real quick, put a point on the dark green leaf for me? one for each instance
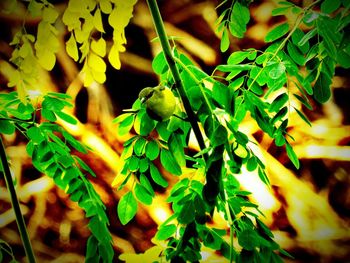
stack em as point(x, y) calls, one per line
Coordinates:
point(292, 156)
point(295, 54)
point(304, 100)
point(127, 208)
point(263, 177)
point(146, 184)
point(247, 239)
point(277, 32)
point(329, 6)
point(305, 39)
point(157, 177)
point(322, 91)
point(6, 127)
point(280, 114)
point(303, 117)
point(84, 166)
point(169, 162)
point(297, 37)
point(142, 194)
point(278, 102)
point(187, 214)
point(165, 232)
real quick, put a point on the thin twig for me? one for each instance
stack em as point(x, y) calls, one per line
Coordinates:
point(15, 204)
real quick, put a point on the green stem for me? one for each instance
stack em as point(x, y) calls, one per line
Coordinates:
point(15, 204)
point(159, 26)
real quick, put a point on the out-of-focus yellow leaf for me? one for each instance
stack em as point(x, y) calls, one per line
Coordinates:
point(14, 77)
point(46, 58)
point(24, 50)
point(151, 255)
point(76, 5)
point(97, 20)
point(100, 77)
point(99, 47)
point(113, 57)
point(71, 20)
point(106, 6)
point(88, 78)
point(50, 15)
point(71, 48)
point(95, 62)
point(35, 8)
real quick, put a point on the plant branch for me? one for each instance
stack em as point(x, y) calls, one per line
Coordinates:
point(159, 26)
point(15, 204)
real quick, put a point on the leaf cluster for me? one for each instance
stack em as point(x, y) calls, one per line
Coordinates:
point(50, 148)
point(257, 83)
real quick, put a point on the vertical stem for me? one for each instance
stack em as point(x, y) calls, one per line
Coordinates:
point(15, 204)
point(159, 26)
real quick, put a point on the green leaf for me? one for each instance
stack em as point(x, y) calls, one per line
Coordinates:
point(329, 6)
point(278, 102)
point(159, 64)
point(225, 42)
point(126, 123)
point(303, 117)
point(165, 232)
point(169, 162)
point(295, 54)
point(280, 114)
point(239, 19)
point(292, 156)
point(297, 36)
point(277, 32)
point(280, 11)
point(133, 163)
point(146, 184)
point(144, 124)
point(142, 194)
point(304, 40)
point(247, 239)
point(187, 213)
point(7, 127)
point(276, 70)
point(157, 177)
point(322, 91)
point(143, 165)
point(177, 149)
point(127, 208)
point(48, 114)
point(252, 163)
point(152, 150)
point(139, 146)
point(66, 117)
point(304, 101)
point(84, 166)
point(237, 57)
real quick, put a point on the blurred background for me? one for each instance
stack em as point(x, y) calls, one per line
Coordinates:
point(308, 209)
